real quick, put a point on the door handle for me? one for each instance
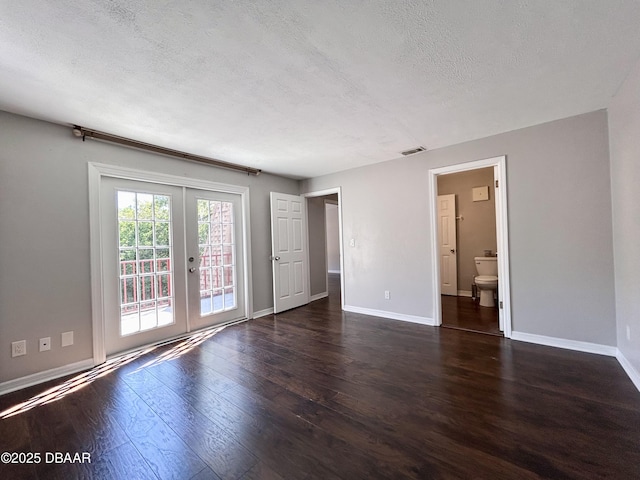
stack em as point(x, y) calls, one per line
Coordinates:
point(452, 250)
point(192, 269)
point(275, 258)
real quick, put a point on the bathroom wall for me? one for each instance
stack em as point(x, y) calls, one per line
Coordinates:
point(477, 229)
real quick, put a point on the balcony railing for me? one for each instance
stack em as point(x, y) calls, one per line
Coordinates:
point(145, 290)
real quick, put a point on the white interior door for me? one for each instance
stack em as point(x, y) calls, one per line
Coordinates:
point(290, 258)
point(448, 244)
point(144, 280)
point(215, 259)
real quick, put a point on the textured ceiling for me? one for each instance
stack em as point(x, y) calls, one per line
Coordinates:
point(304, 88)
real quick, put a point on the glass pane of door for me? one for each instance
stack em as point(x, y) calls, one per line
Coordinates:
point(214, 240)
point(145, 273)
point(216, 246)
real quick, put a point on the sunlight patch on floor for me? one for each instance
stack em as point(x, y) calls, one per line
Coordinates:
point(181, 348)
point(82, 380)
point(74, 384)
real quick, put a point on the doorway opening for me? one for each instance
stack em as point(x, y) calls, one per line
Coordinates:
point(326, 266)
point(470, 247)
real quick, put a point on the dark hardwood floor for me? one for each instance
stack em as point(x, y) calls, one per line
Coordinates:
point(466, 314)
point(318, 393)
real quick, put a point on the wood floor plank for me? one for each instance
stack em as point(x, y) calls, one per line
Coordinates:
point(96, 431)
point(261, 472)
point(257, 432)
point(125, 461)
point(166, 454)
point(206, 474)
point(303, 440)
point(15, 438)
point(212, 443)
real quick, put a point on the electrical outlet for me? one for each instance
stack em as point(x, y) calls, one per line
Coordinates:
point(45, 344)
point(18, 348)
point(628, 333)
point(387, 295)
point(67, 338)
point(352, 243)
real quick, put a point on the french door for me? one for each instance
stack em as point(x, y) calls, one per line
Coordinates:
point(172, 261)
point(215, 260)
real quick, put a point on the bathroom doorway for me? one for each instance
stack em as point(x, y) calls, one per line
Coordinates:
point(470, 251)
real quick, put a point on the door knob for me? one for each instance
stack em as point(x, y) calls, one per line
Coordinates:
point(192, 269)
point(452, 251)
point(275, 258)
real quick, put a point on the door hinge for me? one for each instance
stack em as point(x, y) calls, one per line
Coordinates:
point(501, 304)
point(496, 183)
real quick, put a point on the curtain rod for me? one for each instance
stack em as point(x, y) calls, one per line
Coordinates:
point(127, 142)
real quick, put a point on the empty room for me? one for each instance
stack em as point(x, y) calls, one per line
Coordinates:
point(319, 240)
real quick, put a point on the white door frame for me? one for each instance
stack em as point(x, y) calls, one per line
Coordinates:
point(98, 170)
point(502, 230)
point(322, 193)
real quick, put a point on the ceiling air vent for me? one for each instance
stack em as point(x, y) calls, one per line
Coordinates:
point(413, 150)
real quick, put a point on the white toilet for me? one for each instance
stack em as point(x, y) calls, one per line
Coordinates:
point(487, 279)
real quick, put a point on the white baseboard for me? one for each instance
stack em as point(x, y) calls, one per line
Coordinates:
point(565, 343)
point(587, 347)
point(392, 315)
point(464, 293)
point(318, 296)
point(45, 376)
point(334, 271)
point(633, 374)
point(263, 313)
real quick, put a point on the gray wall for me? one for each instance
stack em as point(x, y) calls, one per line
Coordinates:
point(476, 231)
point(44, 235)
point(560, 231)
point(624, 132)
point(333, 237)
point(317, 245)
